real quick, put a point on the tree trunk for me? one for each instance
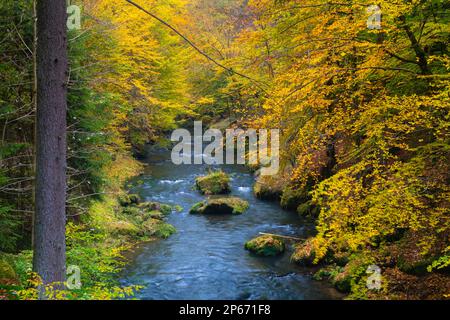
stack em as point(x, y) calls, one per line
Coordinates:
point(50, 195)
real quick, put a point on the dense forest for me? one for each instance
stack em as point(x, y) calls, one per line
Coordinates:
point(360, 93)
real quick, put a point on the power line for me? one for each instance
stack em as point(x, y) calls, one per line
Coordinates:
point(257, 83)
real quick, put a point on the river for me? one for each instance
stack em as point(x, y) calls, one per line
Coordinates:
point(206, 259)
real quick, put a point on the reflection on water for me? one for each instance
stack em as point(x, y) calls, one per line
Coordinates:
point(206, 259)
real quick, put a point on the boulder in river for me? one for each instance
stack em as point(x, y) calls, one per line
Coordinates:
point(229, 205)
point(265, 246)
point(216, 182)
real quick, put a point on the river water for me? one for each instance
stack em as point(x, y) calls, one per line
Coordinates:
point(206, 259)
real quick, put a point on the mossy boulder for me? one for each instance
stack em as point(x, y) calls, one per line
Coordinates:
point(6, 270)
point(165, 209)
point(351, 274)
point(326, 273)
point(343, 281)
point(129, 199)
point(140, 214)
point(154, 214)
point(216, 182)
point(268, 187)
point(265, 246)
point(229, 205)
point(304, 253)
point(150, 205)
point(291, 198)
point(158, 228)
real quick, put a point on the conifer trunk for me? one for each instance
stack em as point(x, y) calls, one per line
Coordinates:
point(50, 194)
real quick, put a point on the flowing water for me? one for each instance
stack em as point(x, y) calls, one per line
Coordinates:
point(206, 259)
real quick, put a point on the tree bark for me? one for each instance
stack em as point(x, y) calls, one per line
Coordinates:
point(50, 194)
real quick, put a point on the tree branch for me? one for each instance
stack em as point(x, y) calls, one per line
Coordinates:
point(256, 82)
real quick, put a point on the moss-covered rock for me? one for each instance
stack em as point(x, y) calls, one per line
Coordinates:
point(343, 281)
point(158, 228)
point(165, 209)
point(149, 205)
point(229, 205)
point(327, 273)
point(265, 246)
point(291, 198)
point(216, 182)
point(153, 214)
point(305, 253)
point(129, 199)
point(350, 275)
point(268, 187)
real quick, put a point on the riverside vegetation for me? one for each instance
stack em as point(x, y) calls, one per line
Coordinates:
point(363, 116)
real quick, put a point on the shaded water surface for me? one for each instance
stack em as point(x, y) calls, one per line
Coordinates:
point(206, 259)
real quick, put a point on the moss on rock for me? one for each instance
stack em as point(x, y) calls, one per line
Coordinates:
point(165, 209)
point(305, 253)
point(154, 214)
point(229, 205)
point(214, 183)
point(158, 228)
point(349, 276)
point(265, 246)
point(343, 281)
point(291, 198)
point(268, 188)
point(137, 220)
point(129, 199)
point(151, 206)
